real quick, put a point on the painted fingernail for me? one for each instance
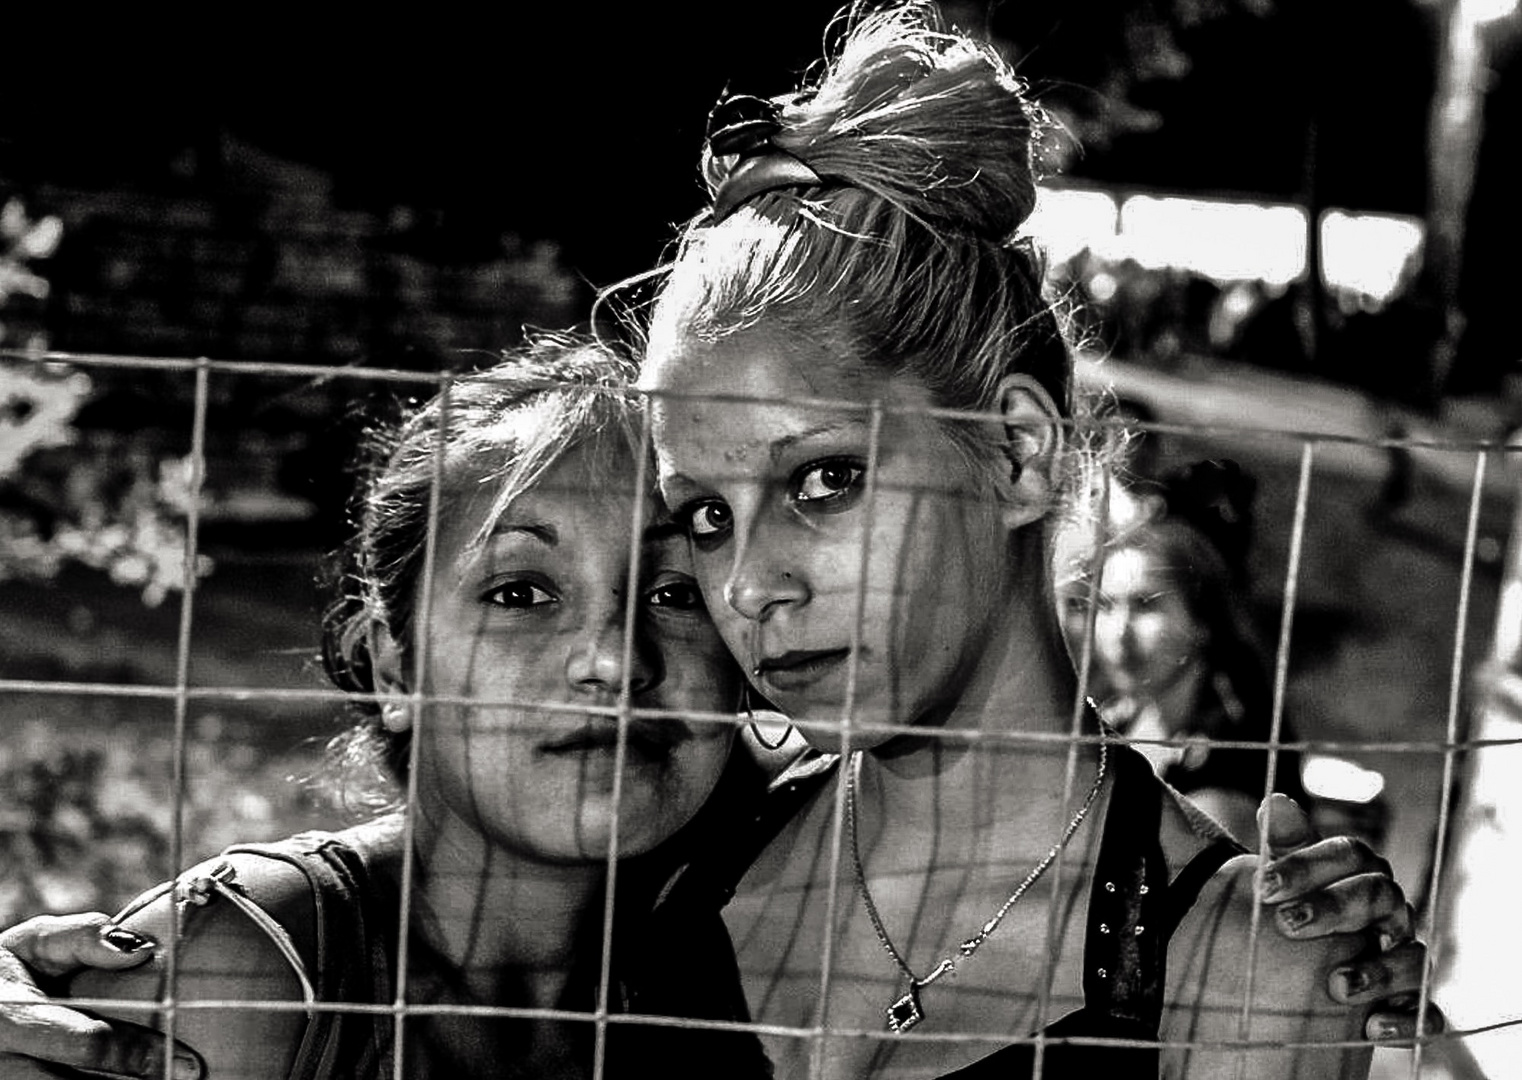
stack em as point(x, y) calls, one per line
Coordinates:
point(124, 941)
point(1294, 916)
point(1269, 885)
point(1354, 980)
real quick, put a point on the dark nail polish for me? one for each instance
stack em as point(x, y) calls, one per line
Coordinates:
point(1269, 885)
point(124, 941)
point(1294, 916)
point(1354, 980)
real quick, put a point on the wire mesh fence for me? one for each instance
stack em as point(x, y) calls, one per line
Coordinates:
point(1442, 758)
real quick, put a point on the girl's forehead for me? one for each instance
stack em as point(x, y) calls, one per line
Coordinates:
point(818, 361)
point(578, 486)
point(1129, 568)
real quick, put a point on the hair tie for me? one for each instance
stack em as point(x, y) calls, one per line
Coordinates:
point(742, 125)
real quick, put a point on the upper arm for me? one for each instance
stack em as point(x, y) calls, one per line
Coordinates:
point(222, 955)
point(1208, 967)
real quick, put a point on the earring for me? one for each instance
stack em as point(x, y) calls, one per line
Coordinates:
point(755, 730)
point(396, 716)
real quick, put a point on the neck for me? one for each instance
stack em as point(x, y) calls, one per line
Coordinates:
point(466, 890)
point(1021, 683)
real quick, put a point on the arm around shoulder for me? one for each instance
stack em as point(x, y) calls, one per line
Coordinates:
point(222, 955)
point(1208, 966)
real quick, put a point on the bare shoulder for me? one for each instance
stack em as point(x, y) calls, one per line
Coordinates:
point(1214, 955)
point(222, 955)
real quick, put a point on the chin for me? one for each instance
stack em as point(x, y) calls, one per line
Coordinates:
point(641, 826)
point(829, 736)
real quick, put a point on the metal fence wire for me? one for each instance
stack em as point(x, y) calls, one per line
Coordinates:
point(1459, 747)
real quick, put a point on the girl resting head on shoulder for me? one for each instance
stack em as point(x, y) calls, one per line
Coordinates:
point(489, 667)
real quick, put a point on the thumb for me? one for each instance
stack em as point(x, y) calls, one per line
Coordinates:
point(1284, 825)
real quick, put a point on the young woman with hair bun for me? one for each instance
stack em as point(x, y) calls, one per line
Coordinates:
point(863, 413)
point(1176, 663)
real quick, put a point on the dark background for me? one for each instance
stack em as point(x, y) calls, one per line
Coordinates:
point(582, 123)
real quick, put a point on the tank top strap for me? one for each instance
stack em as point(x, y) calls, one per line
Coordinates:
point(347, 956)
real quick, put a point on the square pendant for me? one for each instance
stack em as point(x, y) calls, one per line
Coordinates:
point(904, 1013)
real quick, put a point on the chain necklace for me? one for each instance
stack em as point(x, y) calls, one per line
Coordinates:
point(904, 1013)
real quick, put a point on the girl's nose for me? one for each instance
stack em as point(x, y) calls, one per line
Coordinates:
point(599, 663)
point(758, 592)
point(1110, 627)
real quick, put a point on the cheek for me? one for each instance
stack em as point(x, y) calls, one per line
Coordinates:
point(940, 556)
point(700, 761)
point(701, 676)
point(1164, 639)
point(470, 656)
point(1156, 634)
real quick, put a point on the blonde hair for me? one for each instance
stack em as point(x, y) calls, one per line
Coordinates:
point(906, 255)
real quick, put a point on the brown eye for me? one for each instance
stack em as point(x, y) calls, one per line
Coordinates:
point(519, 594)
point(676, 596)
point(709, 518)
point(828, 480)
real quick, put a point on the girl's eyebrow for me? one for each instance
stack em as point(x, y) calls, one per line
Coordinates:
point(786, 442)
point(543, 531)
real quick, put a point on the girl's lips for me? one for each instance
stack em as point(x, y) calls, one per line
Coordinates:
point(800, 667)
point(647, 741)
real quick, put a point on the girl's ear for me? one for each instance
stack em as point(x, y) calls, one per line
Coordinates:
point(386, 663)
point(1033, 441)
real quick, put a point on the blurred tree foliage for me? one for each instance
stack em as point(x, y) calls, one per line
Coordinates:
point(64, 495)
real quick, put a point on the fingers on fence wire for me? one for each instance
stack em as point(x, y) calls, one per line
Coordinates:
point(1317, 866)
point(1327, 886)
point(1371, 902)
point(1392, 978)
point(1284, 825)
point(55, 946)
point(1400, 1025)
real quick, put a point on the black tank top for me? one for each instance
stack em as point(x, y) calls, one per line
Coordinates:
point(1135, 905)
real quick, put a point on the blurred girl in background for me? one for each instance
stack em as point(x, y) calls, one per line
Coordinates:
point(1176, 663)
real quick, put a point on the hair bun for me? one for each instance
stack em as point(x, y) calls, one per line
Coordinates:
point(931, 121)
